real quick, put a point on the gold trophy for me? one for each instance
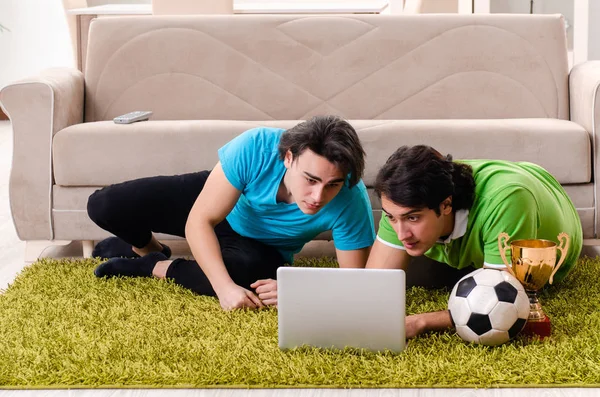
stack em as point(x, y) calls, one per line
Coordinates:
point(533, 263)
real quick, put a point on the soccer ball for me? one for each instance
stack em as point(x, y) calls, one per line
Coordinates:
point(488, 307)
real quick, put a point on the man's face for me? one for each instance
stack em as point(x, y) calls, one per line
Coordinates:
point(418, 228)
point(312, 180)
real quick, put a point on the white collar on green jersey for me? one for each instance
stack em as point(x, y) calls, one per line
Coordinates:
point(461, 219)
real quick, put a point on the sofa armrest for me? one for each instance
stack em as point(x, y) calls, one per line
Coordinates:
point(38, 108)
point(584, 95)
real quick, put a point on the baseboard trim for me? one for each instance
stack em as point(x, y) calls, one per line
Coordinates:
point(2, 115)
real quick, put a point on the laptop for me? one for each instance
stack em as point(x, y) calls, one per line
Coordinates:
point(338, 308)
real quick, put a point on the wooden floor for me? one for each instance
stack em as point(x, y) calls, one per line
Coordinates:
point(12, 261)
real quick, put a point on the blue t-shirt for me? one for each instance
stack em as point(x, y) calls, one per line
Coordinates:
point(252, 165)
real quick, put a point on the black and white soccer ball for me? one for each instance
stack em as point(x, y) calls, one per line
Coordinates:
point(488, 307)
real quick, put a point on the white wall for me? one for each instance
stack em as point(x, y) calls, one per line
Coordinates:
point(443, 6)
point(38, 39)
point(92, 3)
point(594, 30)
point(564, 7)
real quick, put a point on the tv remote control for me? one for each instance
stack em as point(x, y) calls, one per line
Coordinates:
point(132, 117)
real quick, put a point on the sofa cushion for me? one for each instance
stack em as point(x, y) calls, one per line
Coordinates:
point(103, 153)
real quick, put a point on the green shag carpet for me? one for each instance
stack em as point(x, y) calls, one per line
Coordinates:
point(60, 326)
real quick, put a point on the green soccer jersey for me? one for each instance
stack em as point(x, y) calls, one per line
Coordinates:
point(521, 199)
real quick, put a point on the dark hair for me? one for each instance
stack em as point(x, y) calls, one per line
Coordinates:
point(330, 137)
point(419, 176)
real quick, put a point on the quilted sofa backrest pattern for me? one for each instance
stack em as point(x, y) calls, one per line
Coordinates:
point(290, 67)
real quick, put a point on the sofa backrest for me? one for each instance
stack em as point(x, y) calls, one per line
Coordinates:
point(290, 67)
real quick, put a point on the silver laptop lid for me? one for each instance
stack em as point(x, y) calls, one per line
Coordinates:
point(326, 307)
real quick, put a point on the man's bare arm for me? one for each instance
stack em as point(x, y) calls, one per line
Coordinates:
point(353, 258)
point(215, 202)
point(385, 257)
point(427, 322)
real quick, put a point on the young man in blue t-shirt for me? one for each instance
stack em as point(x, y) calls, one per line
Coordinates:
point(271, 192)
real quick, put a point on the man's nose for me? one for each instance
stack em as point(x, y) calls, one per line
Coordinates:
point(403, 232)
point(317, 194)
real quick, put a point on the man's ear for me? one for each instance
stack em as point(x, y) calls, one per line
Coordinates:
point(446, 206)
point(288, 159)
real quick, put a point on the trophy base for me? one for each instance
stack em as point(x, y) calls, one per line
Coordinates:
point(537, 328)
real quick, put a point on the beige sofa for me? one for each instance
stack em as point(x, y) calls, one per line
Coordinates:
point(476, 86)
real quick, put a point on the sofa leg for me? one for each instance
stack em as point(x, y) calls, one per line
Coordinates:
point(88, 247)
point(35, 249)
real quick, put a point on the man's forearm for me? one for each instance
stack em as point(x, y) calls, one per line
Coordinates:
point(207, 253)
point(427, 322)
point(437, 321)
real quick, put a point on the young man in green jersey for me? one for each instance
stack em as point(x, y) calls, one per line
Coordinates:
point(453, 212)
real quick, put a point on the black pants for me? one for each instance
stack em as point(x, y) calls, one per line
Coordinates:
point(135, 209)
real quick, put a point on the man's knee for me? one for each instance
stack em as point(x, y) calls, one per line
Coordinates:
point(247, 267)
point(99, 207)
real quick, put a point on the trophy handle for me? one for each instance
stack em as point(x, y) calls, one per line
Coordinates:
point(563, 240)
point(502, 247)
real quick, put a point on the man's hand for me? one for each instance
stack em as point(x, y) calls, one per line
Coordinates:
point(236, 297)
point(267, 291)
point(415, 325)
